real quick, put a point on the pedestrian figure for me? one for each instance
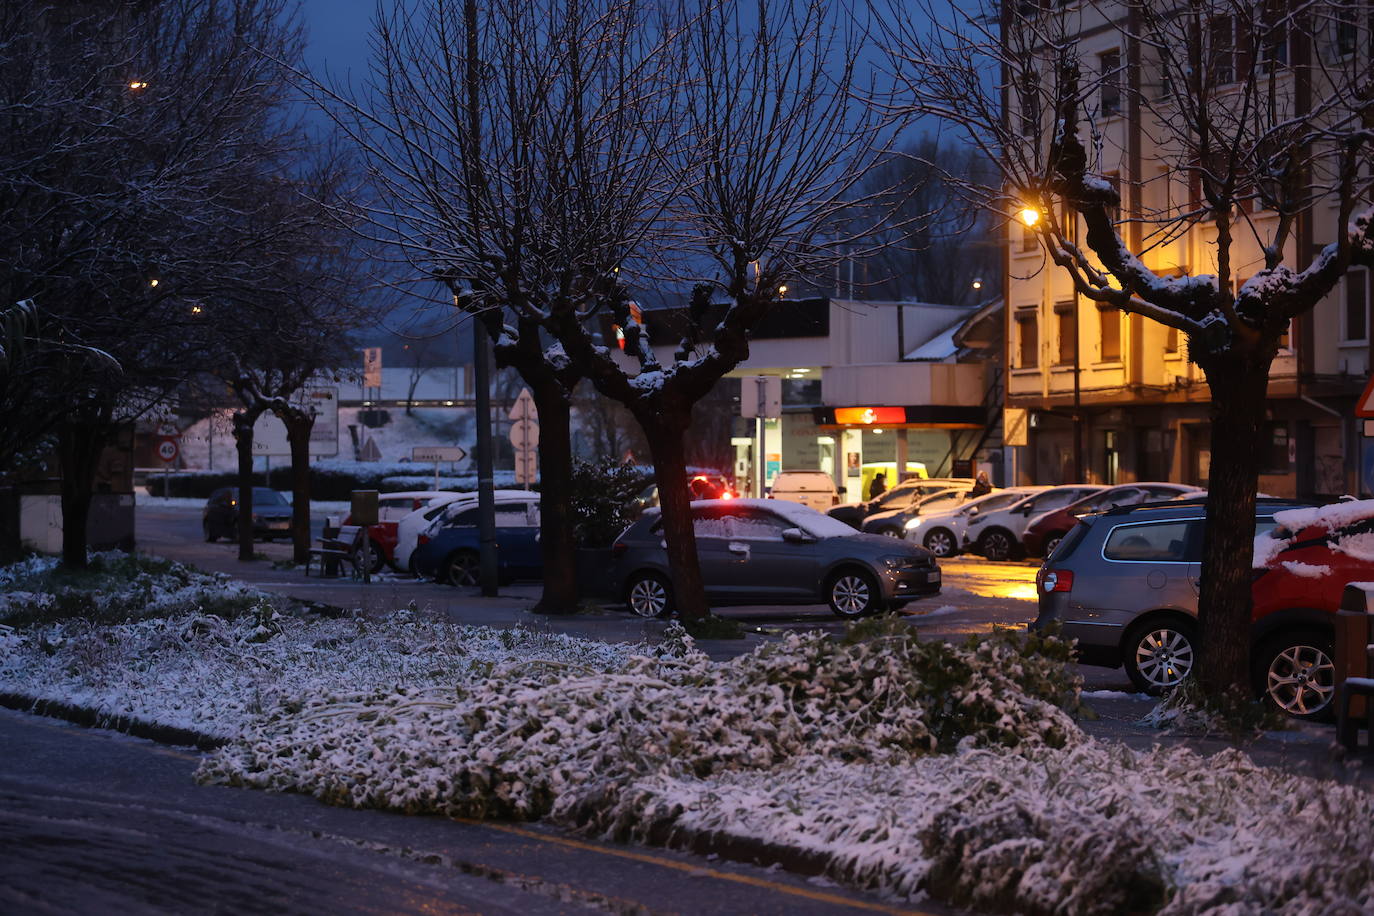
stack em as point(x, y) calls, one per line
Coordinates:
point(980, 486)
point(878, 487)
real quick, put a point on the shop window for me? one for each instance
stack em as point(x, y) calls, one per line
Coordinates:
point(1109, 324)
point(1067, 322)
point(1027, 339)
point(1356, 323)
point(1109, 66)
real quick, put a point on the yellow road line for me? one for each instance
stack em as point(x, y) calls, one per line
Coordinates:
point(819, 896)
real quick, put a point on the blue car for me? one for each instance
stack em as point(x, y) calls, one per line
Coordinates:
point(451, 555)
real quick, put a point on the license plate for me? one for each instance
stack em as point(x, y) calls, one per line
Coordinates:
point(933, 576)
point(281, 524)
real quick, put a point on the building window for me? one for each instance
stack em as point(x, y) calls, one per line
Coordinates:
point(1027, 339)
point(1171, 340)
point(1028, 240)
point(1273, 36)
point(1109, 323)
point(1345, 26)
point(1068, 333)
point(1356, 324)
point(1221, 50)
point(1109, 66)
point(1274, 451)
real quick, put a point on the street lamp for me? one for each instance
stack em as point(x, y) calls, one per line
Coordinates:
point(977, 283)
point(137, 85)
point(1029, 216)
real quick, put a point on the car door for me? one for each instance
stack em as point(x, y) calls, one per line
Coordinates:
point(519, 542)
point(722, 570)
point(765, 566)
point(1152, 565)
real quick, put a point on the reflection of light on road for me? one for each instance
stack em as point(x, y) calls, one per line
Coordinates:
point(1021, 591)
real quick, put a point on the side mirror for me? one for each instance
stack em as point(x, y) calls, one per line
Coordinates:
point(796, 536)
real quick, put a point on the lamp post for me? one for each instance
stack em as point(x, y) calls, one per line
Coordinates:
point(486, 475)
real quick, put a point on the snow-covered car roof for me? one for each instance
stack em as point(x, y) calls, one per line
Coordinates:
point(803, 517)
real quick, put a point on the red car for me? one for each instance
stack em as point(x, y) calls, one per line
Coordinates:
point(1044, 533)
point(391, 508)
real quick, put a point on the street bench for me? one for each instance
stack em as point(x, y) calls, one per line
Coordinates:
point(340, 549)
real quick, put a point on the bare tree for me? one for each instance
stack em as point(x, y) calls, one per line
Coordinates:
point(1248, 105)
point(514, 148)
point(131, 133)
point(774, 151)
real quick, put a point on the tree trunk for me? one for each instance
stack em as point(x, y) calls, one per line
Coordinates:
point(666, 431)
point(298, 427)
point(243, 442)
point(1239, 385)
point(556, 522)
point(79, 441)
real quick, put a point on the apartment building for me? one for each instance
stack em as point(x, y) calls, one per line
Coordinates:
point(1110, 397)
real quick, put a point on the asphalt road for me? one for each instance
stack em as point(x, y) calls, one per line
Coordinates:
point(96, 822)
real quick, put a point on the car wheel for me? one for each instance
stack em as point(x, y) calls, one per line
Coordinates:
point(941, 543)
point(1160, 654)
point(210, 535)
point(1052, 543)
point(889, 532)
point(378, 557)
point(649, 595)
point(1295, 672)
point(853, 593)
point(996, 545)
point(461, 569)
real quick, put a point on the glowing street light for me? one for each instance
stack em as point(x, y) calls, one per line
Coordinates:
point(977, 283)
point(154, 281)
point(137, 85)
point(1029, 215)
point(782, 290)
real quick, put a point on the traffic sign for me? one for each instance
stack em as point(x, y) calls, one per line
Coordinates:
point(168, 450)
point(761, 396)
point(524, 407)
point(524, 435)
point(437, 453)
point(1364, 407)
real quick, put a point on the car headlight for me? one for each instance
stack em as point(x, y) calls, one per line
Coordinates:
point(914, 523)
point(900, 562)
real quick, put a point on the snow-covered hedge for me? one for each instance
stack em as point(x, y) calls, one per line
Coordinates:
point(535, 743)
point(116, 587)
point(217, 676)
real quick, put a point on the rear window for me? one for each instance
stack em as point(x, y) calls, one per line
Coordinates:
point(1069, 543)
point(1162, 542)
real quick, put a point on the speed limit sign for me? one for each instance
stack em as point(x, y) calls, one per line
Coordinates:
point(167, 450)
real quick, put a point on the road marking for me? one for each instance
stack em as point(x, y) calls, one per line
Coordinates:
point(699, 870)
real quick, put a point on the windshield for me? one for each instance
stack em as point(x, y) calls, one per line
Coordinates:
point(265, 497)
point(998, 501)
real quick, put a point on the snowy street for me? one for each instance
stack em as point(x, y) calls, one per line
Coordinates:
point(141, 836)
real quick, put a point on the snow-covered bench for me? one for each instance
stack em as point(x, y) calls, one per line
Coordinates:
point(339, 550)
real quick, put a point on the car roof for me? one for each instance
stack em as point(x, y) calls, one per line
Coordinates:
point(1173, 508)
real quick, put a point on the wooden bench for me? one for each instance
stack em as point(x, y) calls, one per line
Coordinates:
point(339, 549)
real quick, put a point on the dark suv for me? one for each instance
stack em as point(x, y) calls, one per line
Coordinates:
point(1124, 583)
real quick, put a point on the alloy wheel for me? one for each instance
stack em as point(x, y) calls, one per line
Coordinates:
point(462, 570)
point(1164, 657)
point(1052, 544)
point(1301, 680)
point(648, 597)
point(996, 546)
point(851, 595)
point(940, 542)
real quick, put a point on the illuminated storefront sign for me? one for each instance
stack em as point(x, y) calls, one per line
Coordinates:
point(867, 416)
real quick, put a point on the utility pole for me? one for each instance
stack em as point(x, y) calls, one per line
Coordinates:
point(486, 475)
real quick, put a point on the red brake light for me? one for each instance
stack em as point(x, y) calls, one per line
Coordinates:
point(1055, 580)
point(422, 539)
point(618, 548)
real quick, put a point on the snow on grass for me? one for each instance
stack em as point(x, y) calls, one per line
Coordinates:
point(216, 676)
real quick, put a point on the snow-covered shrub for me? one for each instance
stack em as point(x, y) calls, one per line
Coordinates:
point(541, 740)
point(116, 587)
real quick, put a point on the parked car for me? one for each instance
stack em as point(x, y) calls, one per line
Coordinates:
point(451, 554)
point(775, 551)
point(271, 515)
point(391, 508)
point(1124, 583)
point(853, 514)
point(431, 517)
point(996, 534)
point(892, 523)
point(1045, 530)
point(941, 531)
point(815, 489)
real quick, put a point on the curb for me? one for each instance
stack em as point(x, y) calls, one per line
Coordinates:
point(94, 718)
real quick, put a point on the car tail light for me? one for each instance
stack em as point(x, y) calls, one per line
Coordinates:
point(1055, 580)
point(422, 539)
point(619, 548)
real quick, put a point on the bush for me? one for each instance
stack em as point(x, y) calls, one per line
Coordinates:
point(602, 500)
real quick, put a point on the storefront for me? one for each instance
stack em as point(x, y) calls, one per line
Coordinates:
point(880, 439)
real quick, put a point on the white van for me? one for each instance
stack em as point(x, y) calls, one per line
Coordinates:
point(810, 488)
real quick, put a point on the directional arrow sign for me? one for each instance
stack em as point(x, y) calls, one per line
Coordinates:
point(524, 407)
point(524, 435)
point(437, 453)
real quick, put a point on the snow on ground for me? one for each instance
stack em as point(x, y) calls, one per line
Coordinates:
point(907, 768)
